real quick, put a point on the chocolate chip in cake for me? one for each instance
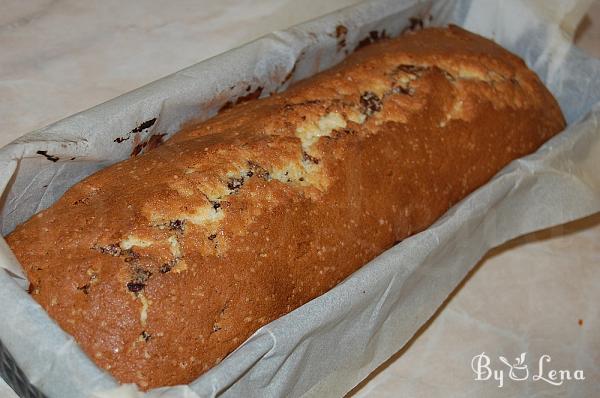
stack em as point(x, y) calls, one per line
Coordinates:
point(112, 249)
point(257, 169)
point(215, 204)
point(177, 225)
point(166, 267)
point(370, 103)
point(234, 183)
point(139, 278)
point(135, 287)
point(309, 158)
point(145, 335)
point(212, 236)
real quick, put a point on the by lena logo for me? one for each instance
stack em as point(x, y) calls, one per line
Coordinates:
point(519, 370)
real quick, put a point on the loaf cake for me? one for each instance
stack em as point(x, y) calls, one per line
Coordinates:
point(164, 263)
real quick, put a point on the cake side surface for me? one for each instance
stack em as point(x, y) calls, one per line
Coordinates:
point(164, 263)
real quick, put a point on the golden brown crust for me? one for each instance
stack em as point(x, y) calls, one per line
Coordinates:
point(161, 265)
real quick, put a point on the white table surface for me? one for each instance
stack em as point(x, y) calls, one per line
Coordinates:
point(534, 295)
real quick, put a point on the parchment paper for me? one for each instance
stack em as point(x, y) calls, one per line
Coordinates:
point(328, 345)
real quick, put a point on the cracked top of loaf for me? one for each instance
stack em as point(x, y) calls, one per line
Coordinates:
point(162, 264)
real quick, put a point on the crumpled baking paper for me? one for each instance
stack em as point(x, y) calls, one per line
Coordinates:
point(330, 344)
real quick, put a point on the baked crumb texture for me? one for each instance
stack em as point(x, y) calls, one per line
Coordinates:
point(164, 263)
